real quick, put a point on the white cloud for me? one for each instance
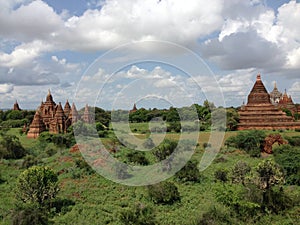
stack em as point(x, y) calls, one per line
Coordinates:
point(294, 91)
point(35, 20)
point(6, 88)
point(24, 54)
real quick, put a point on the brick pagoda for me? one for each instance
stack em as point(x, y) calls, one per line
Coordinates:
point(259, 112)
point(51, 116)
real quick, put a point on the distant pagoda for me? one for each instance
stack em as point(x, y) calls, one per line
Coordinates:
point(259, 112)
point(16, 106)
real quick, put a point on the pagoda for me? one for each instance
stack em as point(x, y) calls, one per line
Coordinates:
point(16, 106)
point(37, 126)
point(259, 112)
point(52, 117)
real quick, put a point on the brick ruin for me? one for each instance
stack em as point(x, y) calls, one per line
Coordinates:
point(264, 110)
point(53, 117)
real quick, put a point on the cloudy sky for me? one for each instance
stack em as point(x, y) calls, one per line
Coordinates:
point(55, 43)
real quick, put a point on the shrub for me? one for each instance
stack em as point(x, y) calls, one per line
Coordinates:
point(165, 149)
point(164, 193)
point(82, 164)
point(37, 185)
point(221, 175)
point(249, 141)
point(139, 214)
point(294, 141)
point(29, 161)
point(29, 216)
point(288, 158)
point(239, 172)
point(137, 157)
point(214, 216)
point(10, 147)
point(233, 197)
point(189, 172)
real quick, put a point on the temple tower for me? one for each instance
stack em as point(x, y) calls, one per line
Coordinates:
point(37, 126)
point(260, 114)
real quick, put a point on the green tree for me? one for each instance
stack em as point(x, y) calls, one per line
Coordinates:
point(10, 147)
point(288, 158)
point(249, 141)
point(269, 175)
point(37, 185)
point(239, 172)
point(15, 115)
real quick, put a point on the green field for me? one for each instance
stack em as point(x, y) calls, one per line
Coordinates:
point(96, 200)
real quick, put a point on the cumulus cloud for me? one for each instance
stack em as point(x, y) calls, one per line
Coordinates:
point(239, 36)
point(35, 20)
point(6, 88)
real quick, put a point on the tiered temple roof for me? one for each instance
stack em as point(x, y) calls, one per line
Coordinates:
point(37, 126)
point(52, 117)
point(260, 113)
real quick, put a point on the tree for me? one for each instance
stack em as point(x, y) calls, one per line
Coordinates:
point(288, 158)
point(269, 175)
point(37, 185)
point(10, 147)
point(249, 141)
point(239, 172)
point(165, 149)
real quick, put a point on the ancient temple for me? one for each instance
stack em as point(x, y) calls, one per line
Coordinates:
point(275, 95)
point(134, 109)
point(16, 106)
point(51, 116)
point(87, 116)
point(37, 126)
point(260, 113)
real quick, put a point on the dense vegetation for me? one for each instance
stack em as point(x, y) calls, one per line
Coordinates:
point(47, 181)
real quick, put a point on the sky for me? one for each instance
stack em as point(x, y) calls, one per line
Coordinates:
point(157, 53)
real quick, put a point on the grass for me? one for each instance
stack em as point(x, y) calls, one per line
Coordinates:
point(100, 201)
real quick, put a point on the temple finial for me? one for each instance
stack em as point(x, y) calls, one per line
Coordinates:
point(258, 77)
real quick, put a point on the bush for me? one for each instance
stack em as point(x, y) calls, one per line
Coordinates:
point(165, 149)
point(29, 161)
point(82, 164)
point(139, 214)
point(164, 193)
point(29, 216)
point(10, 147)
point(215, 216)
point(288, 158)
point(189, 172)
point(294, 141)
point(37, 185)
point(234, 198)
point(239, 172)
point(137, 157)
point(249, 141)
point(221, 175)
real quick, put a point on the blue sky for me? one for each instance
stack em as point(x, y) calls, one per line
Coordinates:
point(53, 43)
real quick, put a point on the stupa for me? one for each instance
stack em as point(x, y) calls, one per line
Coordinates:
point(259, 113)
